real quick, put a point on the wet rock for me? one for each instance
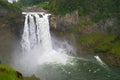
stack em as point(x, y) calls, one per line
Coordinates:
point(19, 75)
point(110, 59)
point(31, 78)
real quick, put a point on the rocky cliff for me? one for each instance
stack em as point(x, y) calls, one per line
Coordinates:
point(62, 23)
point(90, 38)
point(10, 30)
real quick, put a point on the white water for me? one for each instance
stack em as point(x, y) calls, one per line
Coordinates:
point(37, 45)
point(11, 1)
point(46, 57)
point(36, 32)
point(36, 35)
point(25, 37)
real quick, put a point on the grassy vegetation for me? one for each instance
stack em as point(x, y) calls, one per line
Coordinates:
point(7, 73)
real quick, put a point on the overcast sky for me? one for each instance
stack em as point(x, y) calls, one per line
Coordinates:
point(12, 1)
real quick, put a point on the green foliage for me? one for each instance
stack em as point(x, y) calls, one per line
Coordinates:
point(62, 6)
point(7, 73)
point(44, 5)
point(101, 16)
point(116, 48)
point(5, 5)
point(109, 29)
point(30, 2)
point(100, 42)
point(106, 43)
point(98, 9)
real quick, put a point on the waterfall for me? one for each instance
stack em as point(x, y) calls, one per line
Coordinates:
point(25, 37)
point(38, 46)
point(37, 41)
point(36, 32)
point(46, 57)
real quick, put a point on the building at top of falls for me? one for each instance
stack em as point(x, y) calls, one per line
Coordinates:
point(11, 1)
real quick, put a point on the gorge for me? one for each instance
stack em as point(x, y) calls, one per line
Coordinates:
point(42, 57)
point(59, 40)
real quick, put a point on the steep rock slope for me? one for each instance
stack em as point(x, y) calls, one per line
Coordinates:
point(10, 27)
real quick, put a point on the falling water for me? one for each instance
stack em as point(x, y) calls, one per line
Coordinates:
point(25, 37)
point(36, 32)
point(45, 57)
point(37, 45)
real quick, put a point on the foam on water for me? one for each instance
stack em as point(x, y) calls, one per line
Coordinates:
point(37, 46)
point(46, 57)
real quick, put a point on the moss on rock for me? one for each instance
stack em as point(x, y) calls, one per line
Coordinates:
point(8, 73)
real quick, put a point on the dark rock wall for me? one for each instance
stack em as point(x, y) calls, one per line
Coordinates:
point(10, 31)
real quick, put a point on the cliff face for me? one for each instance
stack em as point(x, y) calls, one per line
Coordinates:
point(10, 30)
point(90, 38)
point(70, 20)
point(64, 22)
